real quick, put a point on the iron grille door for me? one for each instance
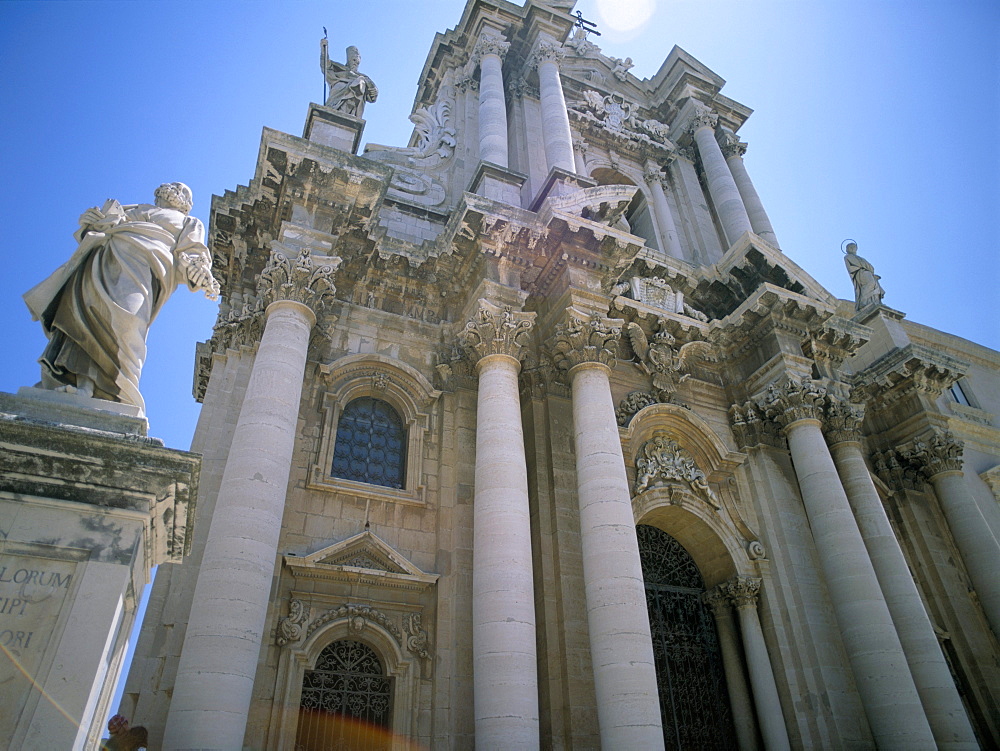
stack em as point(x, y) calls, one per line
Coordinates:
point(694, 705)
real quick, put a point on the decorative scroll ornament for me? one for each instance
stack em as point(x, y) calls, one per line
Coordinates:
point(302, 279)
point(755, 550)
point(793, 401)
point(843, 421)
point(292, 627)
point(742, 591)
point(578, 341)
point(489, 43)
point(416, 637)
point(617, 116)
point(496, 331)
point(412, 637)
point(654, 291)
point(751, 427)
point(661, 461)
point(631, 404)
point(942, 453)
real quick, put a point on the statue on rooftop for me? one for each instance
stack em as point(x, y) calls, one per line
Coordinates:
point(867, 290)
point(97, 307)
point(349, 89)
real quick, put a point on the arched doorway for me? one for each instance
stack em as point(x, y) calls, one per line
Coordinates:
point(346, 701)
point(693, 701)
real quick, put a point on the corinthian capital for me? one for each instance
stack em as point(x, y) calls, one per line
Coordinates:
point(546, 50)
point(843, 421)
point(703, 118)
point(495, 331)
point(742, 591)
point(303, 278)
point(751, 427)
point(793, 401)
point(731, 145)
point(717, 600)
point(941, 453)
point(489, 43)
point(585, 340)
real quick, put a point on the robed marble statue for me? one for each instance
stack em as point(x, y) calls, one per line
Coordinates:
point(349, 89)
point(97, 307)
point(867, 290)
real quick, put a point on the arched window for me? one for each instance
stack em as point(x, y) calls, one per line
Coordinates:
point(371, 444)
point(346, 701)
point(694, 705)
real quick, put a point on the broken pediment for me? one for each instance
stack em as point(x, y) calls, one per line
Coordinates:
point(364, 558)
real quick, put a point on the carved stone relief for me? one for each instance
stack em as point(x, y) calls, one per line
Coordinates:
point(661, 461)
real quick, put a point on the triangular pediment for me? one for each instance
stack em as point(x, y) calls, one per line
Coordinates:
point(364, 557)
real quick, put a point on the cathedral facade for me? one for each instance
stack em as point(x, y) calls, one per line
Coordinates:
point(531, 434)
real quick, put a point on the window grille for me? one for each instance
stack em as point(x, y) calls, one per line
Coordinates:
point(370, 445)
point(694, 705)
point(346, 701)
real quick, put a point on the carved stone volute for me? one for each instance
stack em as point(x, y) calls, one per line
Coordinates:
point(941, 453)
point(843, 421)
point(582, 340)
point(793, 401)
point(496, 330)
point(303, 279)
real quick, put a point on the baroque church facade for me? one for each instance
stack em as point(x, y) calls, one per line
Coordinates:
point(531, 434)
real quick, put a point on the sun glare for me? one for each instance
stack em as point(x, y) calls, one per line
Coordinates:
point(625, 15)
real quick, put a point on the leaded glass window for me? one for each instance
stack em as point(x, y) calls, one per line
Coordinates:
point(371, 444)
point(346, 701)
point(694, 704)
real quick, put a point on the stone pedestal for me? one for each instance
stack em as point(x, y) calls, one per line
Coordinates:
point(332, 128)
point(497, 183)
point(88, 504)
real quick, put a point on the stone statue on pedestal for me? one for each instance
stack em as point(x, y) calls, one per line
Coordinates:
point(97, 307)
point(349, 89)
point(867, 290)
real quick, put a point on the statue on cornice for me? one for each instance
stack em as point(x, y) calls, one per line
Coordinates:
point(349, 89)
point(97, 307)
point(867, 290)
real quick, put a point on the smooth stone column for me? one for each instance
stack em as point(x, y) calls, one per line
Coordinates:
point(505, 669)
point(215, 675)
point(664, 216)
point(942, 464)
point(942, 704)
point(556, 135)
point(743, 592)
point(887, 691)
point(733, 150)
point(490, 50)
point(621, 646)
point(725, 195)
point(732, 664)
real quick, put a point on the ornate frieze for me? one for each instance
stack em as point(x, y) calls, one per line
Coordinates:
point(907, 370)
point(302, 279)
point(657, 293)
point(585, 340)
point(843, 420)
point(661, 461)
point(752, 427)
point(615, 116)
point(631, 404)
point(742, 591)
point(496, 331)
point(940, 453)
point(796, 399)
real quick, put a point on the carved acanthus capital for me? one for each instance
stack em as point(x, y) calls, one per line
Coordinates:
point(936, 455)
point(546, 50)
point(717, 600)
point(662, 461)
point(742, 591)
point(843, 421)
point(703, 118)
point(731, 145)
point(496, 331)
point(581, 340)
point(751, 427)
point(896, 470)
point(793, 401)
point(303, 278)
point(653, 174)
point(489, 43)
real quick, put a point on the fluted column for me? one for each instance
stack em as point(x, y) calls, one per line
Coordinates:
point(742, 591)
point(664, 216)
point(725, 195)
point(733, 150)
point(887, 690)
point(930, 672)
point(212, 690)
point(503, 606)
point(941, 460)
point(732, 664)
point(620, 643)
point(556, 135)
point(489, 52)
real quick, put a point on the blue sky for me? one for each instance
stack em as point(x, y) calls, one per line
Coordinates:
point(873, 120)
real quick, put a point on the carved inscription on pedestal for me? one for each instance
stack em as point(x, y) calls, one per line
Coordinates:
point(32, 593)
